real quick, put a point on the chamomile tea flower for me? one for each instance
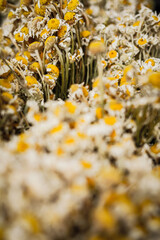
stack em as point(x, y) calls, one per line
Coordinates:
point(31, 81)
point(72, 5)
point(53, 69)
point(40, 10)
point(142, 42)
point(44, 33)
point(49, 43)
point(35, 66)
point(113, 54)
point(21, 59)
point(19, 37)
point(69, 16)
point(63, 31)
point(53, 24)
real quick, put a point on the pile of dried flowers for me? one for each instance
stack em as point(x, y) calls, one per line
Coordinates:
point(80, 103)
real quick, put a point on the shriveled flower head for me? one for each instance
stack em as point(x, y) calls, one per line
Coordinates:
point(49, 43)
point(34, 46)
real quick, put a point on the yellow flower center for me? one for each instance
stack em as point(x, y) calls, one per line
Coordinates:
point(3, 4)
point(136, 24)
point(155, 18)
point(22, 146)
point(150, 61)
point(34, 66)
point(85, 34)
point(112, 54)
point(99, 112)
point(5, 84)
point(19, 37)
point(62, 31)
point(115, 106)
point(21, 59)
point(53, 24)
point(70, 107)
point(142, 41)
point(31, 80)
point(110, 120)
point(56, 129)
point(53, 69)
point(72, 5)
point(44, 32)
point(69, 16)
point(40, 10)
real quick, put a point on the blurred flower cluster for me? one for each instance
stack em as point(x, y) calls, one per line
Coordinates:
point(80, 106)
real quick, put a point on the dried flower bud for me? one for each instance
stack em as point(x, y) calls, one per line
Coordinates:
point(34, 46)
point(49, 43)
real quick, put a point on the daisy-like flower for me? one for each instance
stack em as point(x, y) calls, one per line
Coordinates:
point(69, 16)
point(35, 67)
point(53, 69)
point(31, 81)
point(150, 61)
point(19, 37)
point(44, 33)
point(72, 5)
point(112, 55)
point(63, 30)
point(53, 24)
point(40, 10)
point(142, 41)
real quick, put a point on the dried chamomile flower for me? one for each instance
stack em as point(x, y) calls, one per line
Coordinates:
point(3, 5)
point(49, 43)
point(34, 46)
point(53, 69)
point(72, 5)
point(31, 81)
point(53, 24)
point(40, 10)
point(35, 67)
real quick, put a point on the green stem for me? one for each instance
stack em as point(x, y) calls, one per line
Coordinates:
point(62, 68)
